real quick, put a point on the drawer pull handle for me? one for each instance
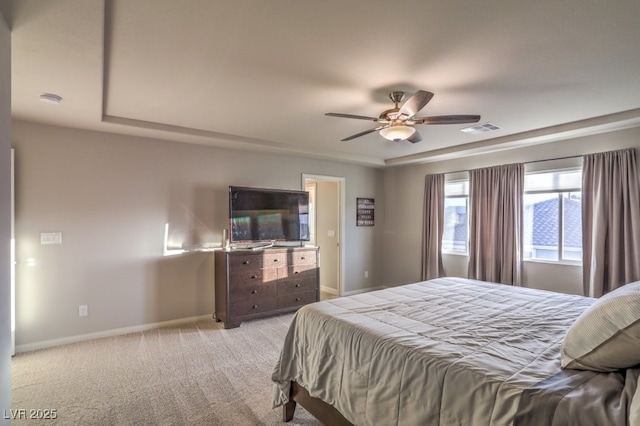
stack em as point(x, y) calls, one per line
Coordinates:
point(254, 292)
point(254, 306)
point(297, 299)
point(275, 260)
point(253, 277)
point(302, 258)
point(296, 272)
point(245, 262)
point(297, 285)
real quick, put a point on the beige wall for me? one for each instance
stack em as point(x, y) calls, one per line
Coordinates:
point(111, 196)
point(5, 218)
point(404, 188)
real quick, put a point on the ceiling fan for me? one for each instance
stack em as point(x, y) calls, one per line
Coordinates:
point(396, 124)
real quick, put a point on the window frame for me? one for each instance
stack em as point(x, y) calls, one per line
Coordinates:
point(560, 192)
point(465, 195)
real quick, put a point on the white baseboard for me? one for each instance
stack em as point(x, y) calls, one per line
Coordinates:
point(329, 290)
point(106, 333)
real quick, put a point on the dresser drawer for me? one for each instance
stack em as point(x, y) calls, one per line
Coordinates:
point(253, 291)
point(296, 299)
point(238, 262)
point(298, 271)
point(243, 277)
point(296, 285)
point(253, 305)
point(303, 257)
point(274, 259)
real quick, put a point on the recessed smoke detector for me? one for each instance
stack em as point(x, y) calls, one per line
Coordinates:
point(50, 98)
point(480, 128)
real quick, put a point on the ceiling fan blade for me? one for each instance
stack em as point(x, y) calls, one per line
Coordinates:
point(415, 103)
point(447, 119)
point(366, 132)
point(359, 117)
point(415, 137)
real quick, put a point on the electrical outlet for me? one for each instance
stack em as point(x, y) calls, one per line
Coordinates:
point(366, 274)
point(83, 310)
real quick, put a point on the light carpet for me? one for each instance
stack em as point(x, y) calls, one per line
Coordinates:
point(194, 374)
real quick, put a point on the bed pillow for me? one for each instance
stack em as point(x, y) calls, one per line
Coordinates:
point(606, 336)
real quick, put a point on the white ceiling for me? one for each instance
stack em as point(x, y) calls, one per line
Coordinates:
point(255, 74)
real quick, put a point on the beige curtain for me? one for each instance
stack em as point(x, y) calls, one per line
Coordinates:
point(432, 266)
point(610, 221)
point(495, 234)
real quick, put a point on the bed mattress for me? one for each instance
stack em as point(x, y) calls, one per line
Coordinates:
point(448, 351)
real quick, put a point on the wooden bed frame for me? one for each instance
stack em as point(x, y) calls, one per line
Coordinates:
point(327, 414)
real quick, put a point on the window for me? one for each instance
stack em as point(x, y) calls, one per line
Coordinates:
point(456, 222)
point(553, 216)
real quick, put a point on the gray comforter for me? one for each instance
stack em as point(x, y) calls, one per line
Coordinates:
point(449, 351)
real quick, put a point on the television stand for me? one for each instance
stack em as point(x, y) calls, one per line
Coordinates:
point(254, 284)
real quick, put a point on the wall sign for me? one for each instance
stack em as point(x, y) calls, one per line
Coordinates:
point(364, 212)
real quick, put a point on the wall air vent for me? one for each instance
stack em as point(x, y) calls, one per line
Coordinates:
point(480, 128)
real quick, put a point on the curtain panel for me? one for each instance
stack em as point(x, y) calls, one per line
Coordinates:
point(495, 234)
point(433, 227)
point(610, 221)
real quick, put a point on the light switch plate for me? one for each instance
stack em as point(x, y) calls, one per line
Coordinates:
point(51, 238)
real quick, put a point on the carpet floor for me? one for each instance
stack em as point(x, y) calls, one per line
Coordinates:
point(194, 374)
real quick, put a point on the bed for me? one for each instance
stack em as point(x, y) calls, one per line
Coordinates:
point(455, 351)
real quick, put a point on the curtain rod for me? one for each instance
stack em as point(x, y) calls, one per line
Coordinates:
point(552, 159)
point(524, 162)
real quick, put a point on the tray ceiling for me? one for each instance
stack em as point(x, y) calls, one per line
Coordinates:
point(261, 75)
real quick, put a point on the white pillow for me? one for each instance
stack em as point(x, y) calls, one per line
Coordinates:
point(606, 336)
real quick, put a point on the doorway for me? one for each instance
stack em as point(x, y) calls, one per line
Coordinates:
point(326, 219)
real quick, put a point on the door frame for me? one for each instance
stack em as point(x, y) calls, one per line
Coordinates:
point(341, 219)
point(12, 268)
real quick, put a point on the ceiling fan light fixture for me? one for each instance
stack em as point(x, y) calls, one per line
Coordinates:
point(397, 133)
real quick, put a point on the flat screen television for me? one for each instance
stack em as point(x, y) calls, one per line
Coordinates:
point(260, 214)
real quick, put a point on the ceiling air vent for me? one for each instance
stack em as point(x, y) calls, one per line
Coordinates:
point(480, 128)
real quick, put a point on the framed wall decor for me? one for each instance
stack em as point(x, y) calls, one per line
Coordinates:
point(365, 211)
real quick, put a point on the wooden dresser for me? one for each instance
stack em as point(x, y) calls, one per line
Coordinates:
point(255, 284)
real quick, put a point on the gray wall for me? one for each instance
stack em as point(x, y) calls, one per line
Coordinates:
point(5, 218)
point(404, 197)
point(111, 196)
